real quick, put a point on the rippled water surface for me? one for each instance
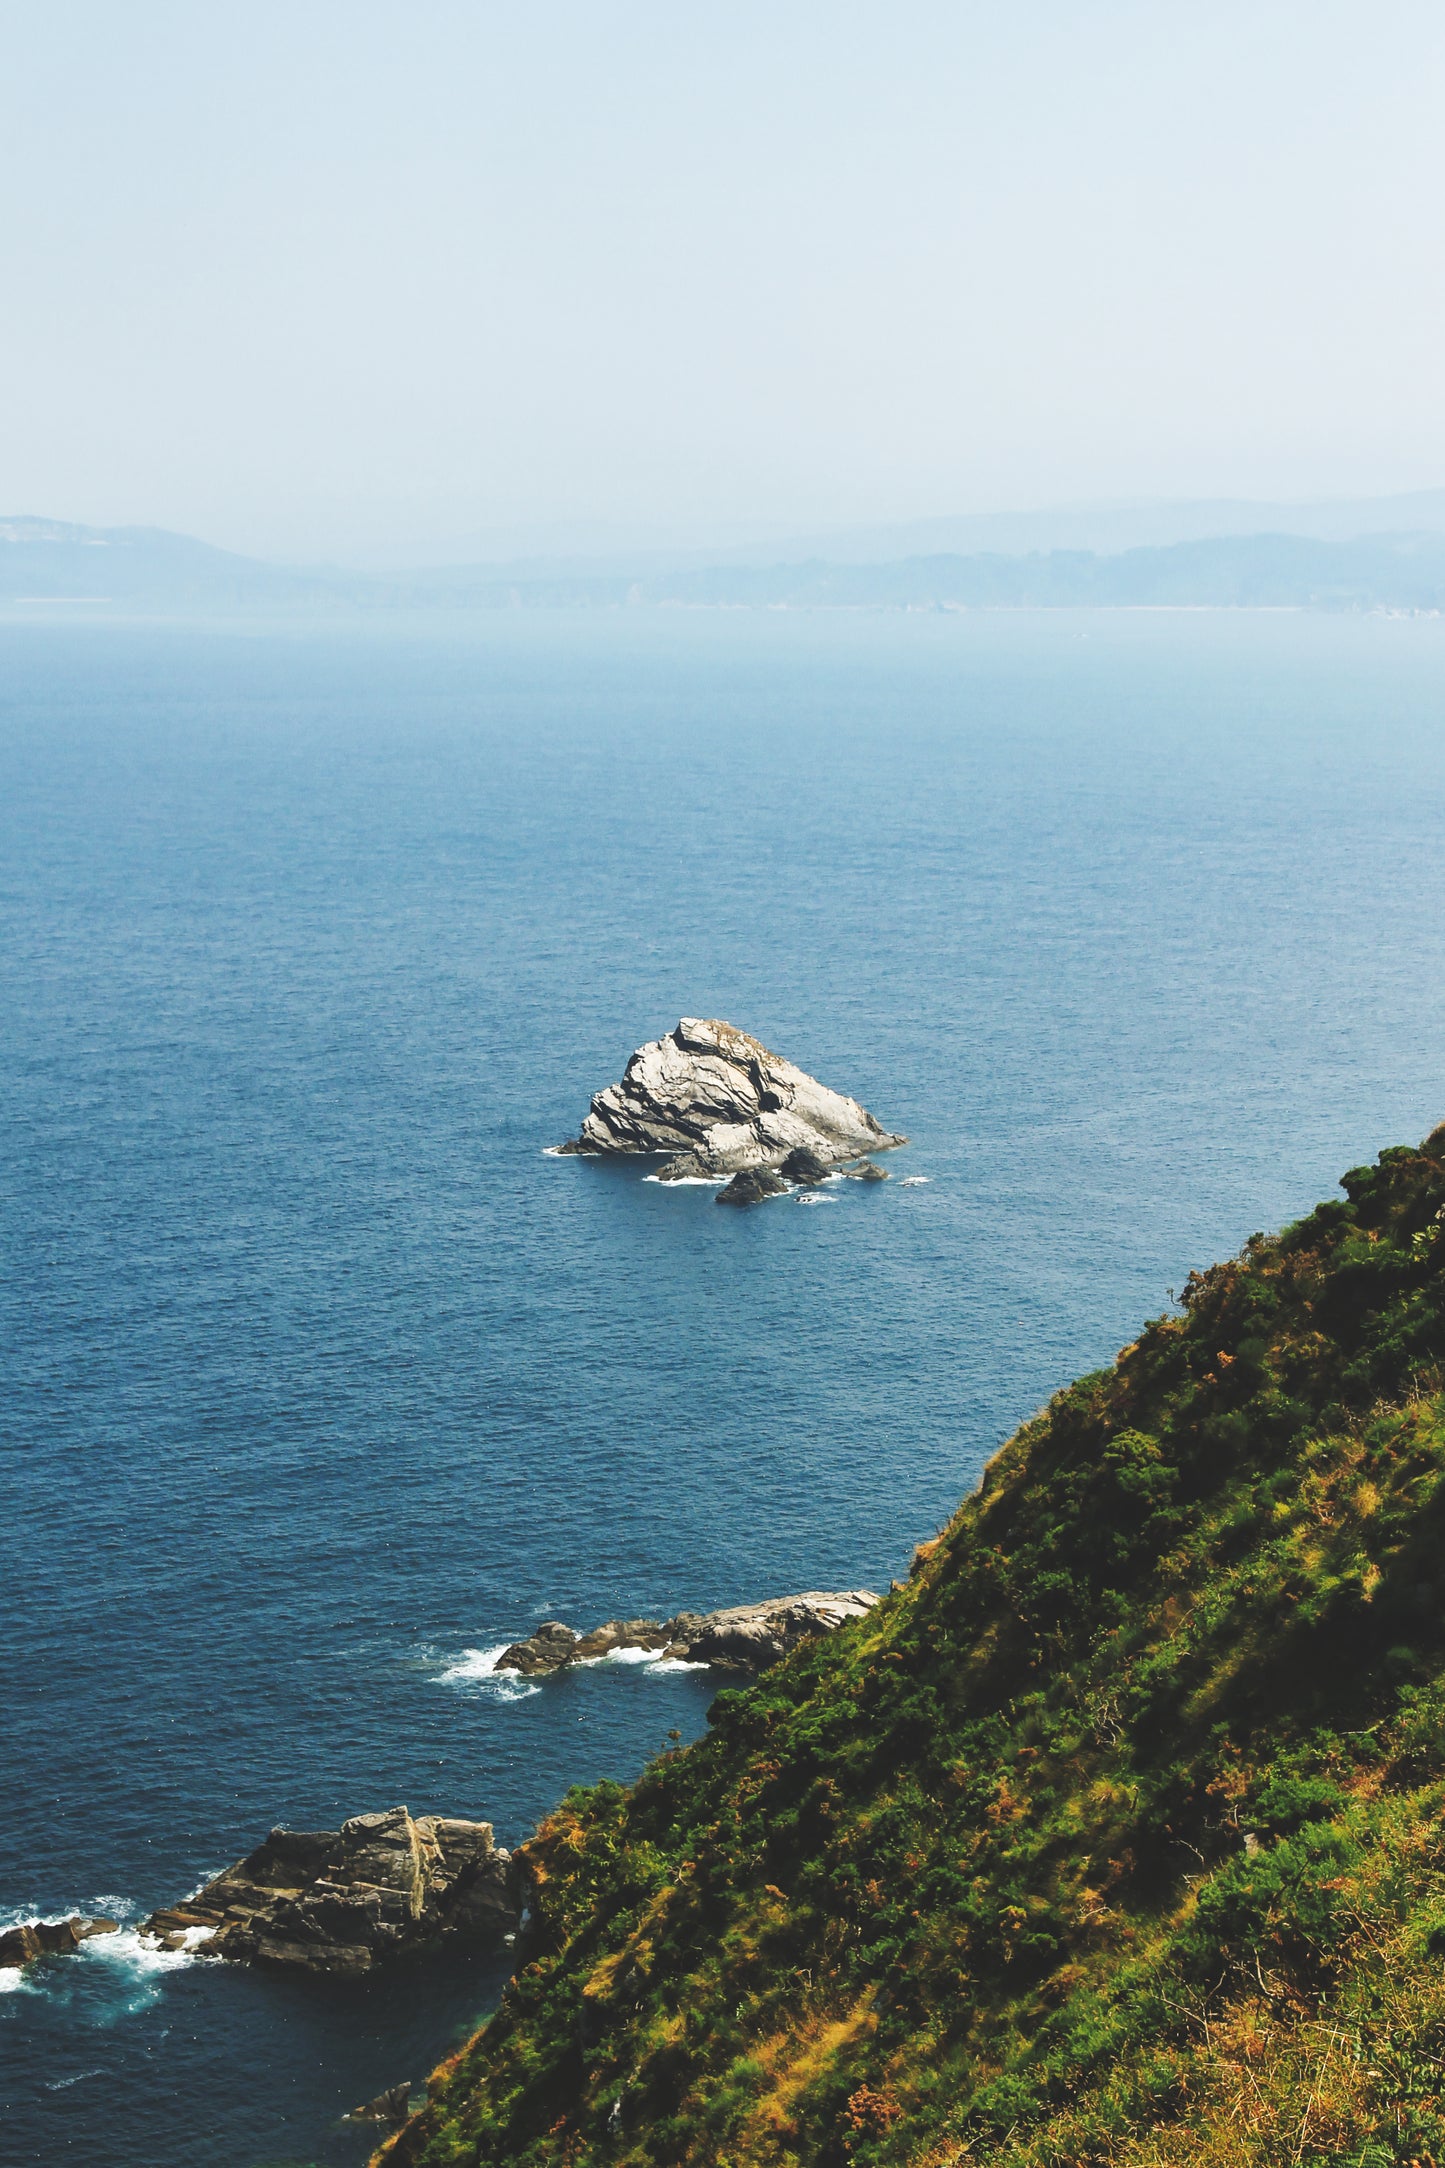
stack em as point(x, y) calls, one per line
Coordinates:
point(321, 1381)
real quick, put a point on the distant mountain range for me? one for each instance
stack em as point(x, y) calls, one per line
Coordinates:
point(1110, 529)
point(149, 570)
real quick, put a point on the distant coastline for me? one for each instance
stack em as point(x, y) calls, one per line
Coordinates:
point(133, 568)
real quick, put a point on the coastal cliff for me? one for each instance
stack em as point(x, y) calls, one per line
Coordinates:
point(1112, 1837)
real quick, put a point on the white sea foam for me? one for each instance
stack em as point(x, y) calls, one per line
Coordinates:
point(912, 1181)
point(30, 1916)
point(688, 1181)
point(653, 1660)
point(810, 1196)
point(478, 1668)
point(629, 1654)
point(132, 1952)
point(121, 1908)
point(61, 2085)
point(132, 1966)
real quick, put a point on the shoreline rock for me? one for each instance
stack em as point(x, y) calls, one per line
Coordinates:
point(344, 1900)
point(718, 1101)
point(50, 1938)
point(744, 1637)
point(751, 1185)
point(392, 2106)
point(802, 1169)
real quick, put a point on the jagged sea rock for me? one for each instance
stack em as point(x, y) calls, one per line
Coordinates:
point(343, 1900)
point(751, 1185)
point(745, 1637)
point(392, 2106)
point(548, 1649)
point(49, 1938)
point(806, 1168)
point(554, 1646)
point(718, 1100)
point(802, 1169)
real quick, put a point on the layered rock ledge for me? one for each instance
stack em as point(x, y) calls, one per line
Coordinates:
point(745, 1637)
point(344, 1900)
point(717, 1101)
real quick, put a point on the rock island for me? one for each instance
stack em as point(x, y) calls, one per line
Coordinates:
point(717, 1102)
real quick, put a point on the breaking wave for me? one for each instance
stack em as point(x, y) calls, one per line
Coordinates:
point(477, 1668)
point(108, 1976)
point(655, 1661)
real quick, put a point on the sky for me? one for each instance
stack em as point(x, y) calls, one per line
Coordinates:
point(356, 279)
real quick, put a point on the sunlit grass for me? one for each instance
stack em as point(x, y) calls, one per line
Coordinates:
point(1113, 1837)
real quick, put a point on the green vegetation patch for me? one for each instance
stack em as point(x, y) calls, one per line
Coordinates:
point(1114, 1837)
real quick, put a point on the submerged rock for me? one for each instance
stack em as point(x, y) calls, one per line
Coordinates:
point(343, 1900)
point(49, 1938)
point(746, 1637)
point(717, 1100)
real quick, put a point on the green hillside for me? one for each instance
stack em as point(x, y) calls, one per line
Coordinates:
point(1115, 1836)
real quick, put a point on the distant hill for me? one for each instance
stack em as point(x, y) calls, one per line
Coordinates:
point(1109, 529)
point(149, 569)
point(1110, 1840)
point(52, 560)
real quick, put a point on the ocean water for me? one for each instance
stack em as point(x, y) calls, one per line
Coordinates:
point(321, 1381)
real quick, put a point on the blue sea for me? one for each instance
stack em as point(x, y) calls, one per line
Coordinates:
point(321, 1381)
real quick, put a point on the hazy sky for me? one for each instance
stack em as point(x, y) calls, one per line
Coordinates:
point(305, 277)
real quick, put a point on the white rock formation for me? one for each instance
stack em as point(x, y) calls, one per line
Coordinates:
point(718, 1100)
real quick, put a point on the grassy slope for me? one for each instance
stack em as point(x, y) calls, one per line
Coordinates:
point(1114, 1837)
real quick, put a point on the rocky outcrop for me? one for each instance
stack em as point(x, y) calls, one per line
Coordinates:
point(344, 1900)
point(392, 2106)
point(805, 1167)
point(49, 1938)
point(751, 1185)
point(751, 1636)
point(747, 1637)
point(802, 1169)
point(548, 1649)
point(716, 1100)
